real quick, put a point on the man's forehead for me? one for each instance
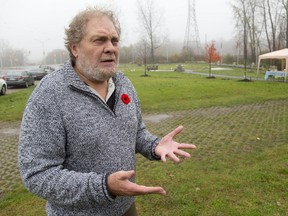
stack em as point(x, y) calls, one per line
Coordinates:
point(101, 25)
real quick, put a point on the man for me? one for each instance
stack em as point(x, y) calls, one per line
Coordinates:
point(82, 126)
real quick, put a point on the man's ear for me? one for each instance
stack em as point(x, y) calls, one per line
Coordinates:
point(74, 50)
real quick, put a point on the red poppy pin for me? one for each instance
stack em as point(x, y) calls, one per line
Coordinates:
point(125, 98)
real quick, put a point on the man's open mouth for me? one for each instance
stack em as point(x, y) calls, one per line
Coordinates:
point(108, 60)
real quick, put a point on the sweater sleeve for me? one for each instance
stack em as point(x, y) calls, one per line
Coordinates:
point(146, 142)
point(41, 155)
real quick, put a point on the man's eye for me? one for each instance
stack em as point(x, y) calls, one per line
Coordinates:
point(115, 43)
point(99, 40)
point(103, 40)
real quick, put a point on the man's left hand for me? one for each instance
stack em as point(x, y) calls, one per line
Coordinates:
point(167, 147)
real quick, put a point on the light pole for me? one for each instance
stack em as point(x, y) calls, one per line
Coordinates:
point(1, 61)
point(43, 49)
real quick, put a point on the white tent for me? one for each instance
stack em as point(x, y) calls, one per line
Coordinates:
point(279, 54)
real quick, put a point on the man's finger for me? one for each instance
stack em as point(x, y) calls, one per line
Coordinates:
point(143, 190)
point(182, 153)
point(176, 131)
point(186, 146)
point(163, 158)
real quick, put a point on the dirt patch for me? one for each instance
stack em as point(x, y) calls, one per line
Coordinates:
point(157, 118)
point(10, 131)
point(9, 128)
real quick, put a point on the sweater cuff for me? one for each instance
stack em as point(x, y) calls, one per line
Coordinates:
point(155, 144)
point(107, 193)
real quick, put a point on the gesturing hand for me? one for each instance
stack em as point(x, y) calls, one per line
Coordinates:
point(168, 147)
point(119, 185)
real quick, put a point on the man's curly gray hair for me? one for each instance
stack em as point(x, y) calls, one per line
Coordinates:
point(77, 28)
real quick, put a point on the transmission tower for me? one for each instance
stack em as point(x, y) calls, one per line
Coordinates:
point(192, 46)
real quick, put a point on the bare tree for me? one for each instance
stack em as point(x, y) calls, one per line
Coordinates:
point(281, 39)
point(255, 17)
point(242, 19)
point(285, 5)
point(57, 56)
point(141, 55)
point(151, 21)
point(249, 27)
point(272, 10)
point(3, 47)
point(253, 24)
point(127, 54)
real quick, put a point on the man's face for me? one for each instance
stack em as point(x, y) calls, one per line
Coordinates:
point(97, 53)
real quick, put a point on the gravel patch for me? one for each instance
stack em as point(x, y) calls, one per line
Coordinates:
point(216, 131)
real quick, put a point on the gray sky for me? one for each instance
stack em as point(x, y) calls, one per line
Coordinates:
point(38, 25)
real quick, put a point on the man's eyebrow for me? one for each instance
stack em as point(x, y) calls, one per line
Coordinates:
point(114, 38)
point(98, 36)
point(104, 37)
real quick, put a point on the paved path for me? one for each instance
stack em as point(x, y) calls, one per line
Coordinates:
point(243, 128)
point(223, 76)
point(9, 173)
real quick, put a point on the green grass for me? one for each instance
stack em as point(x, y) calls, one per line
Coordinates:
point(21, 203)
point(230, 173)
point(215, 69)
point(180, 91)
point(12, 105)
point(250, 184)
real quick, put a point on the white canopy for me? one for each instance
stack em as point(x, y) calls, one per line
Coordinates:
point(279, 54)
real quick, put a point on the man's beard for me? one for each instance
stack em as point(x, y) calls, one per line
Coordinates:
point(93, 72)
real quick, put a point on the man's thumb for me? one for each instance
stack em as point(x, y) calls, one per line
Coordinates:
point(127, 174)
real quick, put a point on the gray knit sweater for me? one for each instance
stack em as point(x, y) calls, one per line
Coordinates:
point(70, 140)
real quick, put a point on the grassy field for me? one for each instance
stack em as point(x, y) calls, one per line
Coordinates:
point(168, 91)
point(240, 128)
point(215, 69)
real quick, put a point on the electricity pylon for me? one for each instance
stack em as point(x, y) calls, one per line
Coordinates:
point(192, 45)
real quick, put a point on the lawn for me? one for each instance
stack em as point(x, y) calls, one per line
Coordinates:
point(240, 129)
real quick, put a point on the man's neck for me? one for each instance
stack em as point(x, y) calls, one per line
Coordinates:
point(100, 86)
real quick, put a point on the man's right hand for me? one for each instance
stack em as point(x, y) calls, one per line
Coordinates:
point(119, 185)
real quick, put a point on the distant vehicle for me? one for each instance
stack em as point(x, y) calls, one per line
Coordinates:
point(19, 78)
point(3, 87)
point(2, 73)
point(48, 69)
point(38, 73)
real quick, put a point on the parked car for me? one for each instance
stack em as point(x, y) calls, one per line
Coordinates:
point(3, 87)
point(19, 78)
point(38, 73)
point(2, 73)
point(47, 68)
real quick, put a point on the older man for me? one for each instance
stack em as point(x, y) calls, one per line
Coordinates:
point(82, 127)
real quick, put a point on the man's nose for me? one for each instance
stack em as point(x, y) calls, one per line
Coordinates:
point(109, 47)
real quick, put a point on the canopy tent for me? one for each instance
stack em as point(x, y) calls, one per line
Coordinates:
point(279, 54)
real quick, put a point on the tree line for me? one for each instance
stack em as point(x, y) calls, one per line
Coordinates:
point(10, 57)
point(260, 26)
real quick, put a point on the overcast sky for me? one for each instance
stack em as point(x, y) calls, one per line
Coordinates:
point(39, 24)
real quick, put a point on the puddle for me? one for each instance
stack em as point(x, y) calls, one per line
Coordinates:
point(10, 131)
point(156, 118)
